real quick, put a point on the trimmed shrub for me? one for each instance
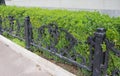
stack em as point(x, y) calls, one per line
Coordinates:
point(80, 24)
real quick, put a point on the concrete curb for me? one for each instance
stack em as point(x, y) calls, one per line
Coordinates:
point(43, 63)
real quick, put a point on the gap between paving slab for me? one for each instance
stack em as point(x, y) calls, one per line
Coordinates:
point(45, 65)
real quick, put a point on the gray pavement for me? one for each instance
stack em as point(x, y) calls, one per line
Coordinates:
point(14, 64)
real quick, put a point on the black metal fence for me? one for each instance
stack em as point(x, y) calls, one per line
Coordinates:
point(48, 37)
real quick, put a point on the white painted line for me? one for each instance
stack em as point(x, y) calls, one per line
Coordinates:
point(45, 64)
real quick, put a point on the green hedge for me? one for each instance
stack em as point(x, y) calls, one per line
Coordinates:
point(80, 24)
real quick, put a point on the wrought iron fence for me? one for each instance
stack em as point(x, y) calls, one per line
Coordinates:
point(49, 37)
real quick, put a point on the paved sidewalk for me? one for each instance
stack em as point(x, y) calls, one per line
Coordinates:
point(14, 64)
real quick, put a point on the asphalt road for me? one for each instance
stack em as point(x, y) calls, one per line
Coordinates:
point(14, 64)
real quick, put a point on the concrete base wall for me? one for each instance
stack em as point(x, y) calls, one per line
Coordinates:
point(111, 7)
point(82, 4)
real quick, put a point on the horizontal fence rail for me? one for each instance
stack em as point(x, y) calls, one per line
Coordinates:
point(12, 27)
point(61, 43)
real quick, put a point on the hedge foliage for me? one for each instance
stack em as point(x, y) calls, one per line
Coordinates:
point(80, 24)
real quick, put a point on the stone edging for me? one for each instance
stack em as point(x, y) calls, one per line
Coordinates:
point(45, 64)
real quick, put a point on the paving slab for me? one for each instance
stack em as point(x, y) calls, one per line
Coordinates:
point(18, 61)
point(15, 64)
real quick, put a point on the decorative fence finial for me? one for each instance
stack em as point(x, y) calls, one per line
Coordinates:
point(48, 37)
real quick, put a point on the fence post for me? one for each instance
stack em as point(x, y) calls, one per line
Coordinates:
point(0, 25)
point(28, 30)
point(99, 37)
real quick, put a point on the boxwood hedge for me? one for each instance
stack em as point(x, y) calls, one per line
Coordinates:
point(80, 24)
